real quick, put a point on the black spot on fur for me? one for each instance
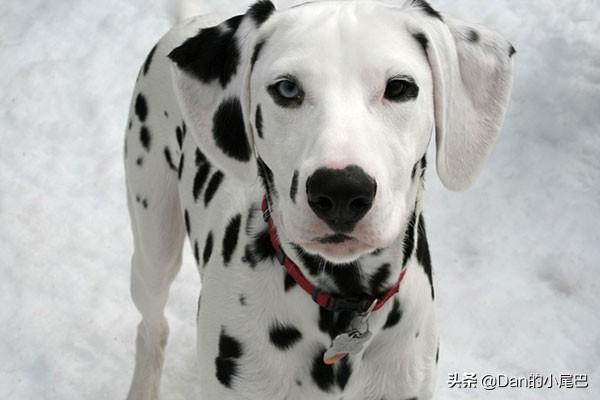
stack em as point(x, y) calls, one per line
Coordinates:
point(208, 248)
point(378, 280)
point(409, 239)
point(213, 185)
point(242, 300)
point(230, 350)
point(139, 161)
point(226, 370)
point(423, 5)
point(343, 373)
point(230, 238)
point(179, 135)
point(212, 54)
point(200, 179)
point(422, 39)
point(473, 36)
point(294, 186)
point(437, 354)
point(129, 124)
point(259, 122)
point(186, 218)
point(420, 165)
point(145, 203)
point(229, 347)
point(348, 279)
point(145, 137)
point(253, 213)
point(314, 264)
point(259, 249)
point(284, 337)
point(229, 131)
point(256, 53)
point(141, 107)
point(334, 323)
point(180, 170)
point(298, 382)
point(166, 114)
point(394, 316)
point(321, 373)
point(261, 11)
point(169, 159)
point(266, 176)
point(325, 319)
point(423, 255)
point(511, 51)
point(288, 281)
point(200, 158)
point(149, 60)
point(196, 252)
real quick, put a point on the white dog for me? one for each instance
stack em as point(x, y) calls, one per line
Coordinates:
point(325, 111)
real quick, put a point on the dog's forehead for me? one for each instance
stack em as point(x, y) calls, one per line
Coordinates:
point(368, 33)
point(337, 20)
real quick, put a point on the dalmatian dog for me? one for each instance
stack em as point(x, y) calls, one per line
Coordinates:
point(289, 147)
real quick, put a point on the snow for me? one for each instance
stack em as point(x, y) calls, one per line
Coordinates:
point(516, 258)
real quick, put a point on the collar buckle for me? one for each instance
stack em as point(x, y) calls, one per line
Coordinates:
point(358, 306)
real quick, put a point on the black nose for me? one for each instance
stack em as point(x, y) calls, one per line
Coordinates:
point(341, 197)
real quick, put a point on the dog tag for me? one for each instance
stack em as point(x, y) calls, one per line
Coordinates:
point(347, 343)
point(352, 341)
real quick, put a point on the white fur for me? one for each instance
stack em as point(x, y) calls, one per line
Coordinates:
point(343, 52)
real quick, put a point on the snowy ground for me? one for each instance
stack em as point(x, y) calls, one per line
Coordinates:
point(517, 258)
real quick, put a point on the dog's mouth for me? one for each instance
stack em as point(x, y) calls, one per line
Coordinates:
point(337, 247)
point(336, 238)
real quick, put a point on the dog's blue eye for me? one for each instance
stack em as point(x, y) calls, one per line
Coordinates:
point(288, 89)
point(401, 89)
point(286, 93)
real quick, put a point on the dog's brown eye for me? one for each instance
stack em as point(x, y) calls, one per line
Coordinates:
point(401, 89)
point(286, 93)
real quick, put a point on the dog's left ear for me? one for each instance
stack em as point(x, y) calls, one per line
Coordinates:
point(472, 78)
point(210, 76)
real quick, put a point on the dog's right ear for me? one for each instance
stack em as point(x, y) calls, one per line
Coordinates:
point(209, 77)
point(471, 68)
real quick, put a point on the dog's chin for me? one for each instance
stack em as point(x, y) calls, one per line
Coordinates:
point(338, 253)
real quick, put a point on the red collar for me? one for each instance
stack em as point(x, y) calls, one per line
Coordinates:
point(323, 299)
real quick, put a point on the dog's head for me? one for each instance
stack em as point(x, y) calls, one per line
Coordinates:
point(334, 103)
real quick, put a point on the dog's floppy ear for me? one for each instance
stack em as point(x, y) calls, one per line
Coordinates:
point(209, 75)
point(472, 78)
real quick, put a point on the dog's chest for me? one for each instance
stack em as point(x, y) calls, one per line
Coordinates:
point(259, 339)
point(260, 335)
